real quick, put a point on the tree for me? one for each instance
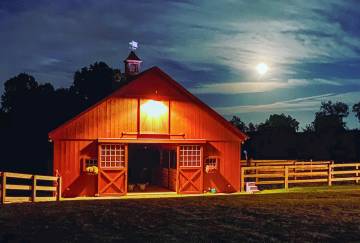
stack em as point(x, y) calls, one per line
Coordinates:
point(30, 110)
point(252, 127)
point(236, 121)
point(17, 92)
point(356, 110)
point(338, 109)
point(26, 118)
point(330, 117)
point(273, 139)
point(309, 128)
point(93, 83)
point(279, 123)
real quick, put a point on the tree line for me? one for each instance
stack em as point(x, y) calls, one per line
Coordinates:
point(30, 109)
point(326, 138)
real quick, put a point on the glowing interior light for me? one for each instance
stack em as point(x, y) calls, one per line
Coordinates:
point(154, 108)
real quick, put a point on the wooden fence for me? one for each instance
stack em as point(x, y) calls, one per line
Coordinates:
point(18, 184)
point(281, 162)
point(325, 172)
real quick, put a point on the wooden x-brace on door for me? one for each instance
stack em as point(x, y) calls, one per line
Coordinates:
point(115, 182)
point(190, 169)
point(113, 163)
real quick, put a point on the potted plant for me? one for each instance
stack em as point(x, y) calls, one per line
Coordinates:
point(92, 170)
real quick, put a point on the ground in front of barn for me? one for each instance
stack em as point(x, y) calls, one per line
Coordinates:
point(303, 214)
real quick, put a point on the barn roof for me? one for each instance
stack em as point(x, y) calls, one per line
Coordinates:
point(132, 56)
point(157, 71)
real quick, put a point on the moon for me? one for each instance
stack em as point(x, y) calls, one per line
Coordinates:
point(262, 68)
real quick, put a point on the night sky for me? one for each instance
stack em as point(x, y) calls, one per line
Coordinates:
point(312, 48)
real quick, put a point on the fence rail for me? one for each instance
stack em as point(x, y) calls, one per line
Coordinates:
point(32, 184)
point(302, 172)
point(252, 162)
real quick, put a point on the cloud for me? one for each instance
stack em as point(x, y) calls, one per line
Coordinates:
point(330, 82)
point(236, 34)
point(244, 87)
point(206, 45)
point(280, 34)
point(311, 103)
point(266, 86)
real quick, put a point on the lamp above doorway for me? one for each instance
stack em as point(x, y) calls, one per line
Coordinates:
point(154, 108)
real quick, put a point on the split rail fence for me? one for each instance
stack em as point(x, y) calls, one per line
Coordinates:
point(37, 188)
point(298, 172)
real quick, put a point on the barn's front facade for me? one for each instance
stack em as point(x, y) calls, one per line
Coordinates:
point(150, 135)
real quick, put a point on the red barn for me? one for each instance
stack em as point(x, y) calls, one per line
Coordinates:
point(149, 135)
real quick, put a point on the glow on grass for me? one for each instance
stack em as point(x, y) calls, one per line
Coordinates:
point(154, 108)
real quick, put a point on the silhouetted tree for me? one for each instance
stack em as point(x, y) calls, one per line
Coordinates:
point(252, 127)
point(27, 113)
point(309, 128)
point(327, 137)
point(93, 83)
point(273, 139)
point(330, 117)
point(17, 92)
point(356, 110)
point(236, 121)
point(30, 110)
point(279, 123)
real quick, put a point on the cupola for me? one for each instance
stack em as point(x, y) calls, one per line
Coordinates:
point(132, 62)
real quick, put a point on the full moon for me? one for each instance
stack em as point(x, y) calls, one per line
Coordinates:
point(262, 68)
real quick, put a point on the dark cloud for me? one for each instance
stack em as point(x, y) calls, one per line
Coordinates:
point(312, 47)
point(344, 69)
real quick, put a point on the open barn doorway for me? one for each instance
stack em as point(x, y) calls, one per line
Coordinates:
point(151, 168)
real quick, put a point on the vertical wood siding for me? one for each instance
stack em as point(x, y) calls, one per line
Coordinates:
point(68, 156)
point(118, 114)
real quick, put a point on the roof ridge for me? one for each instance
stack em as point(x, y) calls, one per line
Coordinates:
point(132, 56)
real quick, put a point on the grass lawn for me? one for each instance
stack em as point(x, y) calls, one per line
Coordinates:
point(304, 214)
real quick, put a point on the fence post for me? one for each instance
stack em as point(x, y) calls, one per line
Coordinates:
point(58, 195)
point(34, 189)
point(3, 193)
point(286, 177)
point(0, 188)
point(329, 174)
point(242, 183)
point(256, 172)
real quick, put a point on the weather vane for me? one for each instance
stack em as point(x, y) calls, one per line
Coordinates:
point(133, 45)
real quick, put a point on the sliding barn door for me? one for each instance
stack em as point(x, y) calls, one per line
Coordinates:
point(113, 163)
point(190, 172)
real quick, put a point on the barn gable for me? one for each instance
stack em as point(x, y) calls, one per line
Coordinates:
point(117, 114)
point(151, 122)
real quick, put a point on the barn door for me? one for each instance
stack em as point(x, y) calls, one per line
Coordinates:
point(190, 172)
point(113, 163)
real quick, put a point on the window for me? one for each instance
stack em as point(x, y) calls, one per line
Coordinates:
point(90, 162)
point(112, 156)
point(169, 159)
point(190, 156)
point(173, 159)
point(133, 68)
point(211, 163)
point(87, 163)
